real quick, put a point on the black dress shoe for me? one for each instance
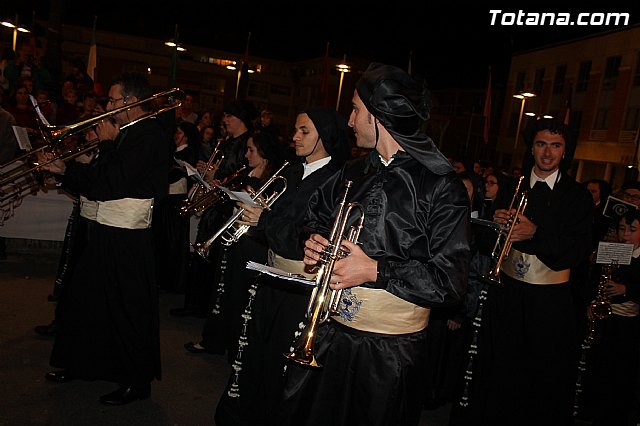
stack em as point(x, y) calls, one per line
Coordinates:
point(46, 330)
point(191, 347)
point(126, 394)
point(60, 376)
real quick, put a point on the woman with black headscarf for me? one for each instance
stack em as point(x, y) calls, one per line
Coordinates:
point(277, 312)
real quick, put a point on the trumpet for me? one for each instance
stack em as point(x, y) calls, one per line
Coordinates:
point(324, 301)
point(198, 188)
point(503, 243)
point(210, 197)
point(54, 136)
point(230, 231)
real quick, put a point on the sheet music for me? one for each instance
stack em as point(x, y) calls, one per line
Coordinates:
point(41, 116)
point(22, 137)
point(243, 197)
point(193, 172)
point(279, 273)
point(619, 252)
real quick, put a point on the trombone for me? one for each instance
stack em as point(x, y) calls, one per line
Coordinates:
point(206, 198)
point(54, 135)
point(503, 243)
point(231, 232)
point(324, 301)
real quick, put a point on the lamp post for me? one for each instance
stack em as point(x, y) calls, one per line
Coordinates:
point(173, 43)
point(16, 28)
point(523, 96)
point(342, 68)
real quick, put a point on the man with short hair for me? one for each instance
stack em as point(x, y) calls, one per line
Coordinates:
point(109, 326)
point(413, 254)
point(525, 369)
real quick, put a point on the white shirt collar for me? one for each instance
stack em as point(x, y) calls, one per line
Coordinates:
point(385, 162)
point(312, 167)
point(550, 180)
point(181, 147)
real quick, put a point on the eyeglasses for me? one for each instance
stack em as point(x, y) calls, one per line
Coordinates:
point(631, 196)
point(113, 101)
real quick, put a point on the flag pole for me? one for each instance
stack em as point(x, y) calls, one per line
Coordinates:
point(92, 62)
point(244, 69)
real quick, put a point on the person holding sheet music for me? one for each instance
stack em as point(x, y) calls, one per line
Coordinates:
point(611, 372)
point(277, 310)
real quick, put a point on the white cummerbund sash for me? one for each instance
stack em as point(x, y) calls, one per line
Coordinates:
point(626, 309)
point(178, 187)
point(288, 265)
point(377, 311)
point(129, 213)
point(528, 268)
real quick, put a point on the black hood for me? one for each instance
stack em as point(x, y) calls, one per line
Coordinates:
point(402, 106)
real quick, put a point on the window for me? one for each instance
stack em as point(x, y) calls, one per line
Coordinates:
point(632, 120)
point(558, 83)
point(583, 76)
point(538, 81)
point(575, 120)
point(258, 90)
point(520, 81)
point(611, 71)
point(602, 119)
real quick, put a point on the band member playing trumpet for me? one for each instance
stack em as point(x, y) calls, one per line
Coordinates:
point(413, 253)
point(231, 278)
point(110, 327)
point(238, 122)
point(253, 392)
point(527, 346)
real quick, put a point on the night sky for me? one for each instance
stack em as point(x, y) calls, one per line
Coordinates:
point(452, 46)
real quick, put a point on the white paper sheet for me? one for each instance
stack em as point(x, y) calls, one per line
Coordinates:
point(279, 273)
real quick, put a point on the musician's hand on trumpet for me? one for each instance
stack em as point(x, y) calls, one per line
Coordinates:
point(523, 230)
point(251, 214)
point(350, 271)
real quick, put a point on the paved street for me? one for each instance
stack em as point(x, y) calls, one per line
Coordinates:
point(187, 395)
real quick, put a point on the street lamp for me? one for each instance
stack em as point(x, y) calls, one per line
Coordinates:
point(9, 24)
point(342, 68)
point(523, 96)
point(173, 43)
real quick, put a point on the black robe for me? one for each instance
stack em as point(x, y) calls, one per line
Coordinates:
point(526, 362)
point(253, 392)
point(416, 227)
point(110, 330)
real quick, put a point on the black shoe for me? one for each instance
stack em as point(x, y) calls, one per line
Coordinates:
point(191, 347)
point(126, 394)
point(60, 376)
point(46, 330)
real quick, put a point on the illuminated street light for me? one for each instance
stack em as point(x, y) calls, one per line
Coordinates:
point(523, 96)
point(16, 28)
point(173, 43)
point(342, 68)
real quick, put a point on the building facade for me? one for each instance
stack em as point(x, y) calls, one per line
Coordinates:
point(597, 80)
